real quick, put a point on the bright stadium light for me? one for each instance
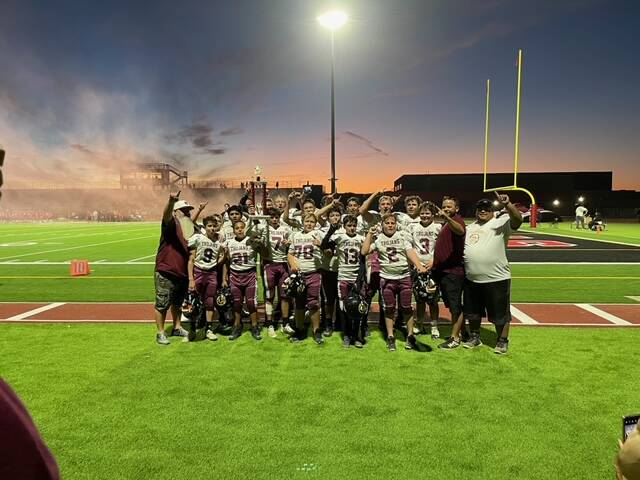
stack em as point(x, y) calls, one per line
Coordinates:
point(581, 199)
point(496, 203)
point(556, 202)
point(333, 20)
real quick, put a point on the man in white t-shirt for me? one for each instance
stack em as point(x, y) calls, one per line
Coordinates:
point(487, 286)
point(581, 212)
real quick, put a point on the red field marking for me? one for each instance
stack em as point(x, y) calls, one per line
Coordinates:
point(630, 313)
point(8, 310)
point(560, 314)
point(101, 312)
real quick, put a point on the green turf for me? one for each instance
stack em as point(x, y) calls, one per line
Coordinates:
point(126, 242)
point(615, 232)
point(112, 404)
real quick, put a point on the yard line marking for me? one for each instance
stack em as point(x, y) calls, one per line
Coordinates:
point(523, 317)
point(637, 299)
point(77, 246)
point(35, 311)
point(602, 314)
point(141, 258)
point(66, 236)
point(99, 261)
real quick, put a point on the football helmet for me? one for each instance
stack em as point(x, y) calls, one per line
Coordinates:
point(224, 298)
point(294, 285)
point(191, 305)
point(356, 303)
point(425, 288)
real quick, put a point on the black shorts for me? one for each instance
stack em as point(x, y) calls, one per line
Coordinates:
point(451, 290)
point(170, 290)
point(491, 300)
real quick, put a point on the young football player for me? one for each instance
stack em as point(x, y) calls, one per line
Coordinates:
point(240, 272)
point(329, 273)
point(412, 207)
point(423, 236)
point(347, 245)
point(206, 254)
point(395, 252)
point(275, 270)
point(304, 259)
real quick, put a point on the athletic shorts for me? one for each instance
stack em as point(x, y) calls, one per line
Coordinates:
point(206, 285)
point(273, 275)
point(311, 298)
point(343, 290)
point(451, 288)
point(170, 290)
point(244, 285)
point(491, 300)
point(393, 288)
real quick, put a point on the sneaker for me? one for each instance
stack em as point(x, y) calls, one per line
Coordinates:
point(271, 331)
point(391, 344)
point(161, 339)
point(346, 342)
point(416, 331)
point(358, 344)
point(210, 335)
point(179, 332)
point(317, 337)
point(411, 343)
point(328, 331)
point(450, 344)
point(464, 335)
point(235, 333)
point(295, 339)
point(255, 333)
point(435, 333)
point(288, 329)
point(502, 346)
point(473, 342)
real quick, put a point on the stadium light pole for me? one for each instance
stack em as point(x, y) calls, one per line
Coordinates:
point(333, 20)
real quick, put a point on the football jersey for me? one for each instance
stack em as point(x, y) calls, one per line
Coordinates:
point(276, 242)
point(392, 254)
point(405, 221)
point(242, 254)
point(307, 254)
point(348, 254)
point(424, 239)
point(207, 250)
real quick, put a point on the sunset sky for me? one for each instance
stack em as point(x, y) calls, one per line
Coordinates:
point(218, 87)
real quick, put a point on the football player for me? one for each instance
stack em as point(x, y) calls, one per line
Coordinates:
point(206, 254)
point(395, 252)
point(239, 272)
point(423, 236)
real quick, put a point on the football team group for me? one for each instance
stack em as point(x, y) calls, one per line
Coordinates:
point(323, 265)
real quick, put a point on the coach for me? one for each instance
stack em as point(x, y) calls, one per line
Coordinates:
point(171, 275)
point(488, 275)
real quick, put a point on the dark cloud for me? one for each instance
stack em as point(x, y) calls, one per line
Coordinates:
point(216, 151)
point(367, 142)
point(82, 148)
point(231, 131)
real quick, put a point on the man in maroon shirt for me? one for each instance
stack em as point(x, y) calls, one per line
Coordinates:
point(448, 266)
point(171, 275)
point(23, 453)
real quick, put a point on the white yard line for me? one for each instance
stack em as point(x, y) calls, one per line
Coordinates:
point(602, 314)
point(35, 311)
point(632, 297)
point(579, 238)
point(141, 258)
point(523, 317)
point(77, 247)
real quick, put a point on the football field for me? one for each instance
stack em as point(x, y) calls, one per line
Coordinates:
point(112, 404)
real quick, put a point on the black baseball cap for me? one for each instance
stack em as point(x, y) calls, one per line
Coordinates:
point(484, 204)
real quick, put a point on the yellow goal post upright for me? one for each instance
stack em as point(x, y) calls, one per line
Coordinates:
point(534, 208)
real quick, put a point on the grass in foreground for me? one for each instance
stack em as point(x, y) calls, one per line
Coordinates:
point(112, 404)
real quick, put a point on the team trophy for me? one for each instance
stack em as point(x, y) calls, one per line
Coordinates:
point(257, 184)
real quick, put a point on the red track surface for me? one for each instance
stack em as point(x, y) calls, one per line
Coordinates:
point(540, 314)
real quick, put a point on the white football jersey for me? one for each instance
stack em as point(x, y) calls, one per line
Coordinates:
point(208, 251)
point(424, 239)
point(348, 254)
point(392, 254)
point(307, 254)
point(242, 254)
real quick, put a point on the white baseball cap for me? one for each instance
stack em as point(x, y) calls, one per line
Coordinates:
point(180, 204)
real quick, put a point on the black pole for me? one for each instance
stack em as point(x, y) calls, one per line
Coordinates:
point(333, 123)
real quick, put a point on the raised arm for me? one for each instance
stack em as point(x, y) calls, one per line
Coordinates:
point(167, 213)
point(285, 215)
point(321, 212)
point(515, 216)
point(456, 228)
point(368, 241)
point(201, 207)
point(326, 243)
point(366, 206)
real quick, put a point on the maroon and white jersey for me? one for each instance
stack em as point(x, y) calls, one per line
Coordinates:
point(392, 254)
point(227, 232)
point(348, 253)
point(208, 251)
point(424, 239)
point(303, 247)
point(405, 221)
point(276, 240)
point(242, 254)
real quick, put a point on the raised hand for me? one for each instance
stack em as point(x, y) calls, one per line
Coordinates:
point(175, 197)
point(504, 199)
